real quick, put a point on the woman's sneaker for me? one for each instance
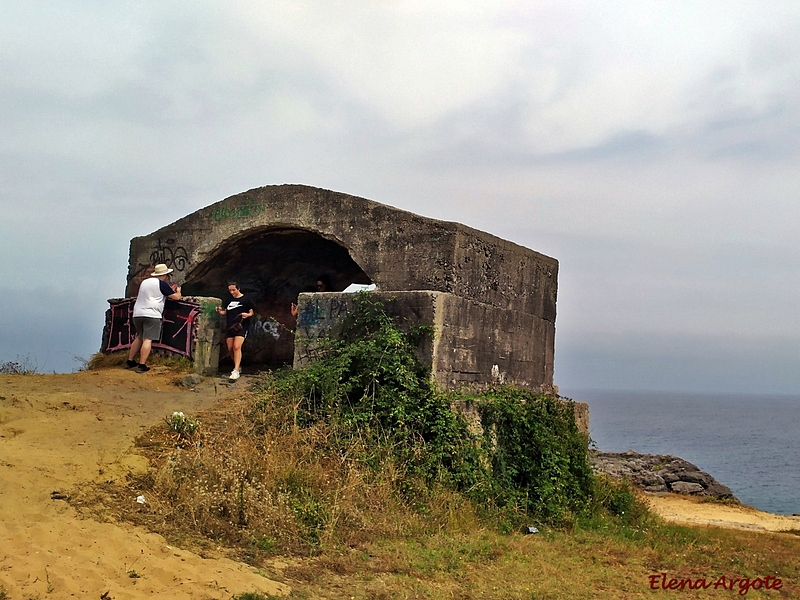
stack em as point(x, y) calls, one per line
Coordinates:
point(142, 368)
point(234, 375)
point(130, 364)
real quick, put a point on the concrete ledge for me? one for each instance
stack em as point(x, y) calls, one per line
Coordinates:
point(473, 343)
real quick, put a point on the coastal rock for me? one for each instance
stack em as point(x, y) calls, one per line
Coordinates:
point(684, 487)
point(659, 473)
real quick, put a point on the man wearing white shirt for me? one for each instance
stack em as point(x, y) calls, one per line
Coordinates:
point(147, 313)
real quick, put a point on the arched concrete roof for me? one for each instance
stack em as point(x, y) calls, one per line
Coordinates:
point(395, 249)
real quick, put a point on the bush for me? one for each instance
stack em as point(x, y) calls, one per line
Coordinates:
point(372, 391)
point(361, 444)
point(539, 458)
point(370, 386)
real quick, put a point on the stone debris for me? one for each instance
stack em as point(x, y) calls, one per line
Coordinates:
point(191, 381)
point(659, 473)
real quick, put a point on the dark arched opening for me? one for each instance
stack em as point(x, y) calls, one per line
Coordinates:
point(273, 266)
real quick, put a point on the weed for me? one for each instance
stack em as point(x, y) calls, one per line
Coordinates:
point(618, 498)
point(539, 459)
point(379, 402)
point(130, 570)
point(174, 362)
point(102, 360)
point(266, 544)
point(82, 363)
point(18, 367)
point(182, 426)
point(254, 596)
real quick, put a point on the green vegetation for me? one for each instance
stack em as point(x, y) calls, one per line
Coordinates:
point(362, 472)
point(372, 393)
point(379, 404)
point(361, 445)
point(182, 426)
point(539, 459)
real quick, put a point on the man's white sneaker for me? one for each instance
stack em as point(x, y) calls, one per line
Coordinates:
point(234, 375)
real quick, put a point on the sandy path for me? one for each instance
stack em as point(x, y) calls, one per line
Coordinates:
point(59, 430)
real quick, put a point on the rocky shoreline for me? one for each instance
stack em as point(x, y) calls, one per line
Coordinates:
point(659, 473)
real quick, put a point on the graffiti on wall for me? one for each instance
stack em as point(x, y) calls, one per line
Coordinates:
point(178, 330)
point(310, 315)
point(314, 323)
point(224, 213)
point(308, 353)
point(169, 253)
point(118, 333)
point(338, 307)
point(269, 327)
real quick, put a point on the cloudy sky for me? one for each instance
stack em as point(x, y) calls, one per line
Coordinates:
point(652, 147)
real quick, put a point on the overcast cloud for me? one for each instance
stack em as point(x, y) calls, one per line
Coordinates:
point(651, 147)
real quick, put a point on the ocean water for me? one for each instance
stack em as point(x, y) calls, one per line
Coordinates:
point(749, 443)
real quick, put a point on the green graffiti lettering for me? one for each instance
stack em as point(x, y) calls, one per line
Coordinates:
point(238, 212)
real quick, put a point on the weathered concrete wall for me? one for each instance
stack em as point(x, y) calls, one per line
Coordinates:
point(499, 298)
point(397, 250)
point(473, 343)
point(481, 343)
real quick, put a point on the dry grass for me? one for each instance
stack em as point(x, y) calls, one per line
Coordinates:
point(262, 490)
point(177, 363)
point(555, 565)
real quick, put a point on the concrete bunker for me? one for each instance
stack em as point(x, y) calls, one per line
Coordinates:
point(492, 302)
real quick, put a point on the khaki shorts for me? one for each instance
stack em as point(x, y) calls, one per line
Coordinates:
point(147, 328)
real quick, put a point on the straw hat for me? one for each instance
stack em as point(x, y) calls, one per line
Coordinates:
point(161, 269)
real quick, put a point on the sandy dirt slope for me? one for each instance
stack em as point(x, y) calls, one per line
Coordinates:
point(57, 431)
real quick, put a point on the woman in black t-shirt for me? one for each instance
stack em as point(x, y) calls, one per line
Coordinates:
point(238, 309)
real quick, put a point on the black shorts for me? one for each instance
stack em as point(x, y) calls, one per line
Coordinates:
point(236, 331)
